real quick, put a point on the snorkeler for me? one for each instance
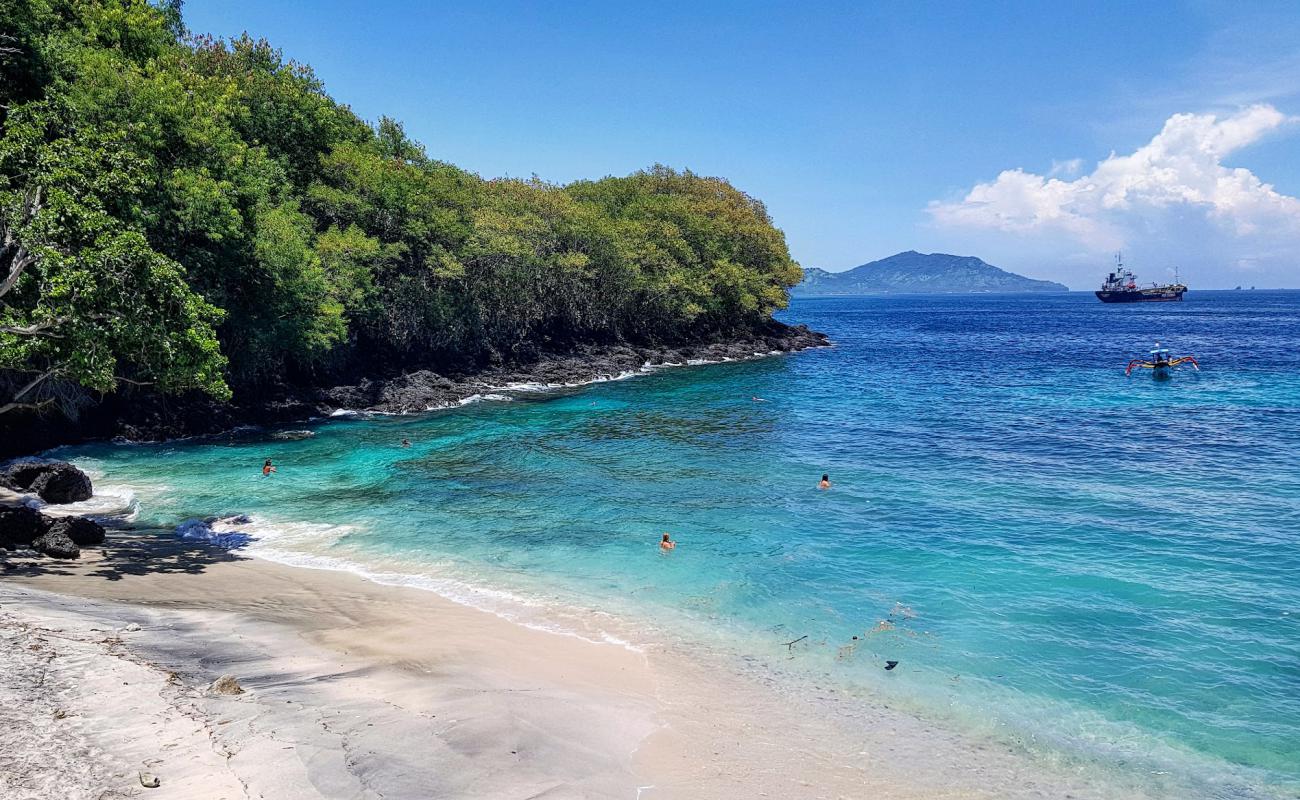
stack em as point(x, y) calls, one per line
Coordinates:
point(667, 543)
point(825, 482)
point(267, 468)
point(406, 443)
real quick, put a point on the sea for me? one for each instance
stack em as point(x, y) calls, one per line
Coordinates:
point(1094, 569)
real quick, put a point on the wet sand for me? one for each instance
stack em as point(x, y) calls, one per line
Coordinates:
point(355, 690)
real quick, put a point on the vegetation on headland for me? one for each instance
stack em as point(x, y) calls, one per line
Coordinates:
point(198, 214)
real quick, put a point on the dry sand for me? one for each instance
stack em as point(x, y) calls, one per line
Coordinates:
point(359, 690)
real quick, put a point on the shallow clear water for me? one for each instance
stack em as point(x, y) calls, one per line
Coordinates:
point(1103, 571)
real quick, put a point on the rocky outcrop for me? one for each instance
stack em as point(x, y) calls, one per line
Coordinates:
point(52, 481)
point(423, 389)
point(20, 526)
point(56, 544)
point(79, 530)
point(23, 528)
point(138, 415)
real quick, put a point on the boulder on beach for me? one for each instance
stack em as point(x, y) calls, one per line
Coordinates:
point(53, 481)
point(56, 544)
point(79, 530)
point(20, 525)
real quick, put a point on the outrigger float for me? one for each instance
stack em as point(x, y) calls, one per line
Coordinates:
point(1160, 363)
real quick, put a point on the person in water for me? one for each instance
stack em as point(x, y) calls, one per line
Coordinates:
point(406, 443)
point(825, 482)
point(267, 468)
point(667, 543)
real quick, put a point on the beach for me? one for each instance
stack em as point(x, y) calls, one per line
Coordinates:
point(355, 689)
point(486, 612)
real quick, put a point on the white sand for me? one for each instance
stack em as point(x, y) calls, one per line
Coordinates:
point(357, 690)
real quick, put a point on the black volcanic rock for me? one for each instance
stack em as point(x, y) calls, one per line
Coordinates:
point(20, 475)
point(79, 530)
point(20, 525)
point(64, 484)
point(56, 544)
point(138, 416)
point(54, 481)
point(920, 273)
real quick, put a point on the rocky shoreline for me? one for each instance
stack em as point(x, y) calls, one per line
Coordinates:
point(24, 527)
point(140, 417)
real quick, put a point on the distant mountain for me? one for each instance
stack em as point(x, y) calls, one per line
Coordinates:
point(914, 272)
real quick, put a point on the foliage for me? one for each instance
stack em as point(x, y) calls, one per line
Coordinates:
point(200, 214)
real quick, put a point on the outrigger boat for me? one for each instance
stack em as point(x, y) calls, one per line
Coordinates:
point(1161, 362)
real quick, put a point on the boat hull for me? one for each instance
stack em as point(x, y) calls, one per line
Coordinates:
point(1140, 296)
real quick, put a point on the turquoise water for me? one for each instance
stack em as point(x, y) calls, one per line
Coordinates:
point(1099, 570)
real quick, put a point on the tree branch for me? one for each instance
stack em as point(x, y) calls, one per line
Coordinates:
point(39, 329)
point(15, 401)
point(7, 407)
point(21, 259)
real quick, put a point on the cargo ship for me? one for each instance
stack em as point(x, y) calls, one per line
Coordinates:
point(1121, 287)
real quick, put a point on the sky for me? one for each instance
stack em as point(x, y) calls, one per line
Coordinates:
point(1040, 136)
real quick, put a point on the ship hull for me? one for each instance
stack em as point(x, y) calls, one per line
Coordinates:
point(1141, 296)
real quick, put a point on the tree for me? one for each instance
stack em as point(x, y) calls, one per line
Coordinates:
point(84, 300)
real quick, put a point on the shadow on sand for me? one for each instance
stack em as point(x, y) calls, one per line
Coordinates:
point(123, 553)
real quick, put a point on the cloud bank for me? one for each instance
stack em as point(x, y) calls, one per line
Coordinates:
point(1170, 192)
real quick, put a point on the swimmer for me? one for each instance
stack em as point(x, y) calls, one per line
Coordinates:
point(825, 482)
point(758, 399)
point(406, 443)
point(267, 469)
point(667, 543)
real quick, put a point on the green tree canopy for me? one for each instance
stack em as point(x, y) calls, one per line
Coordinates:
point(196, 213)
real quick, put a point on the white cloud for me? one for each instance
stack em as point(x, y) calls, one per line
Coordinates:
point(1174, 187)
point(1068, 167)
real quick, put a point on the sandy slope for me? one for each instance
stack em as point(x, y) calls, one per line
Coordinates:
point(358, 690)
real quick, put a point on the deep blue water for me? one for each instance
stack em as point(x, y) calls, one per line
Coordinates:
point(1101, 569)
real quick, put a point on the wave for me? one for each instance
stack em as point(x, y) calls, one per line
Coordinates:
point(107, 504)
point(298, 544)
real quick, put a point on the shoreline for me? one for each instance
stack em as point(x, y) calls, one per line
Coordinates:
point(357, 673)
point(135, 416)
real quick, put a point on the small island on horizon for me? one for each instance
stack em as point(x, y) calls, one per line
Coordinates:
point(911, 272)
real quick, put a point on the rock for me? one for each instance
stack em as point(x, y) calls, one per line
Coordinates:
point(415, 391)
point(20, 474)
point(63, 484)
point(56, 544)
point(149, 780)
point(54, 481)
point(132, 627)
point(20, 525)
point(226, 684)
point(80, 530)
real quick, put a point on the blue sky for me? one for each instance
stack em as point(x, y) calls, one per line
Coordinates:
point(866, 128)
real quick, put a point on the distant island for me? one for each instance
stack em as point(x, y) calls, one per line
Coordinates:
point(920, 273)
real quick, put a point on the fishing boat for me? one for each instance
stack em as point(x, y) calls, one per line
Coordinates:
point(1121, 286)
point(1161, 362)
